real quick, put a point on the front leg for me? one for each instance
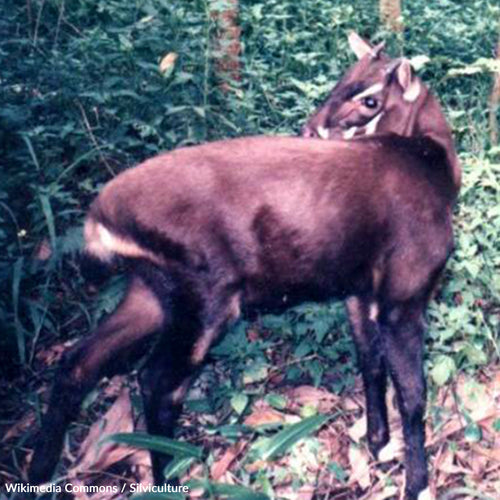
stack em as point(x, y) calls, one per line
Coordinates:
point(402, 330)
point(363, 312)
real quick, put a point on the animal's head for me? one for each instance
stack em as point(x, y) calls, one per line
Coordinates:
point(377, 94)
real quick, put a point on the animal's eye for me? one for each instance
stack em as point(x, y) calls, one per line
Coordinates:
point(370, 102)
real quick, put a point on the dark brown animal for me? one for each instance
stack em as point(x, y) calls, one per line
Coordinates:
point(266, 223)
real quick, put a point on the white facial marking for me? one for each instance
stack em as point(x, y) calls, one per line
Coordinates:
point(377, 87)
point(412, 92)
point(323, 132)
point(349, 133)
point(425, 495)
point(371, 126)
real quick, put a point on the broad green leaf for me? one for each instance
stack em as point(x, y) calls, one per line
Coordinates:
point(231, 491)
point(156, 443)
point(472, 433)
point(444, 367)
point(177, 467)
point(16, 283)
point(277, 401)
point(239, 402)
point(285, 439)
point(158, 496)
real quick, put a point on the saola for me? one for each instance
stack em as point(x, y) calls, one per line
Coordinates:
point(269, 222)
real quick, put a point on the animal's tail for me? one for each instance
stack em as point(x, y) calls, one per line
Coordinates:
point(97, 259)
point(104, 246)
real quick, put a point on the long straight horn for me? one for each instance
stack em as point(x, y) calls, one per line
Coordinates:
point(360, 47)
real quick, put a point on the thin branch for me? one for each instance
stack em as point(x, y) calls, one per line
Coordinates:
point(494, 102)
point(94, 140)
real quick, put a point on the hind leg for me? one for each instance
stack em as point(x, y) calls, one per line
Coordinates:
point(178, 355)
point(105, 353)
point(164, 381)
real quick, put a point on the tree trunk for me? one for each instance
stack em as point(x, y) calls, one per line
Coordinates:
point(494, 101)
point(390, 14)
point(227, 46)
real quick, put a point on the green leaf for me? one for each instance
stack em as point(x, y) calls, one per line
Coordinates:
point(156, 443)
point(255, 373)
point(444, 367)
point(233, 431)
point(303, 349)
point(339, 471)
point(177, 467)
point(232, 491)
point(159, 496)
point(49, 217)
point(472, 433)
point(474, 355)
point(16, 283)
point(285, 439)
point(277, 401)
point(239, 402)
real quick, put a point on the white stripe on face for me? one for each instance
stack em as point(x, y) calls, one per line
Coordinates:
point(369, 91)
point(371, 126)
point(349, 133)
point(323, 132)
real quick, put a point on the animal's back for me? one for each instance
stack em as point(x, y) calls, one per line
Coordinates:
point(287, 211)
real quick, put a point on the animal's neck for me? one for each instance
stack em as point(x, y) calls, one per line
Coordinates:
point(425, 119)
point(431, 123)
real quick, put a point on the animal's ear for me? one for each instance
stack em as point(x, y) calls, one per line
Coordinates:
point(359, 46)
point(406, 79)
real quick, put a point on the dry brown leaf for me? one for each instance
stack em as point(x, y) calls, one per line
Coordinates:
point(264, 416)
point(481, 401)
point(43, 251)
point(99, 457)
point(352, 404)
point(387, 492)
point(256, 466)
point(78, 490)
point(306, 492)
point(19, 427)
point(493, 454)
point(53, 353)
point(220, 467)
point(478, 464)
point(318, 398)
point(140, 463)
point(253, 334)
point(393, 449)
point(358, 430)
point(168, 61)
point(446, 463)
point(359, 462)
